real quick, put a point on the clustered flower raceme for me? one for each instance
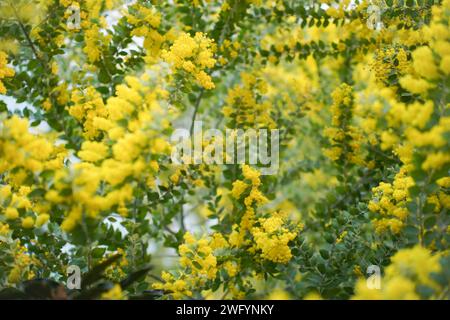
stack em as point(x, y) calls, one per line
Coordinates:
point(91, 22)
point(123, 153)
point(22, 264)
point(391, 61)
point(23, 156)
point(261, 236)
point(5, 71)
point(345, 139)
point(192, 55)
point(417, 133)
point(390, 202)
point(409, 269)
point(244, 106)
point(198, 263)
point(145, 23)
point(271, 234)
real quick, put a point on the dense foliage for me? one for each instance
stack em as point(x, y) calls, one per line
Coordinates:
point(91, 91)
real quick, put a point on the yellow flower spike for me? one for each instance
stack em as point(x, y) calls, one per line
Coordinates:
point(193, 55)
point(239, 187)
point(5, 72)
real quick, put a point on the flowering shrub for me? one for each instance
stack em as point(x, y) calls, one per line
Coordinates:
point(91, 92)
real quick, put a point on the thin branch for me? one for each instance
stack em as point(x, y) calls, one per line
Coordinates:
point(170, 231)
point(27, 36)
point(182, 224)
point(196, 107)
point(88, 240)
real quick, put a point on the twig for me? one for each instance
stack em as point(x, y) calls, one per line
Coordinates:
point(182, 225)
point(88, 240)
point(27, 36)
point(196, 107)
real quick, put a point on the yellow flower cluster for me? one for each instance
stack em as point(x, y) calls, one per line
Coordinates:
point(130, 139)
point(345, 139)
point(266, 237)
point(415, 135)
point(199, 265)
point(198, 256)
point(87, 105)
point(19, 148)
point(228, 51)
point(433, 61)
point(146, 22)
point(116, 270)
point(415, 85)
point(433, 142)
point(93, 43)
point(390, 60)
point(279, 294)
point(23, 264)
point(12, 203)
point(272, 238)
point(442, 199)
point(177, 288)
point(239, 187)
point(193, 55)
point(433, 137)
point(338, 12)
point(409, 269)
point(243, 108)
point(196, 3)
point(91, 23)
point(115, 293)
point(5, 71)
point(28, 12)
point(271, 235)
point(401, 115)
point(389, 201)
point(252, 200)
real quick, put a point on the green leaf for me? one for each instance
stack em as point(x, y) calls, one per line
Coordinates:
point(98, 252)
point(197, 265)
point(324, 253)
point(37, 193)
